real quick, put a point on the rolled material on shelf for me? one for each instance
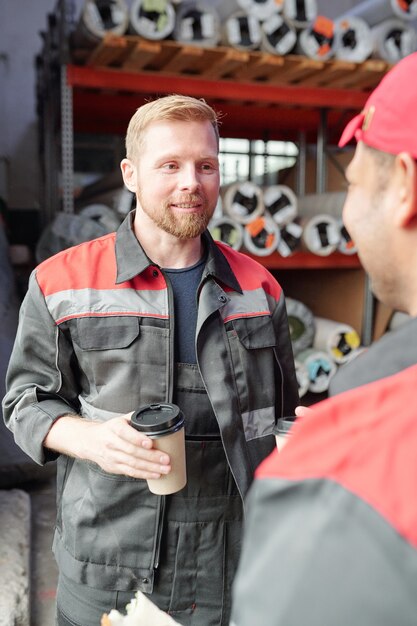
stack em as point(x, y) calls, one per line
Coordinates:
point(339, 340)
point(329, 202)
point(102, 215)
point(302, 325)
point(281, 203)
point(261, 236)
point(303, 380)
point(152, 19)
point(243, 201)
point(353, 39)
point(261, 9)
point(99, 17)
point(346, 245)
point(376, 11)
point(393, 40)
point(227, 230)
point(290, 239)
point(321, 234)
point(318, 41)
point(320, 368)
point(243, 31)
point(301, 13)
point(197, 23)
point(68, 229)
point(278, 35)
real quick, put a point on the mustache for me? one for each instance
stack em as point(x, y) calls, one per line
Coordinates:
point(188, 199)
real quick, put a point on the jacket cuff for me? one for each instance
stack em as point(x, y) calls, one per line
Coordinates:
point(35, 422)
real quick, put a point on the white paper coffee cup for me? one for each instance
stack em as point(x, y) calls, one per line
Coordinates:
point(164, 424)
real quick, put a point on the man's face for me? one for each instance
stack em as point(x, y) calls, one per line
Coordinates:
point(367, 215)
point(177, 183)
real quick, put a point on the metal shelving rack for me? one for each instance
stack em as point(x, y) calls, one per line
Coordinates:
point(290, 98)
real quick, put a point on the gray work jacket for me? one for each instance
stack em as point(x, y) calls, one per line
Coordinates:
point(96, 338)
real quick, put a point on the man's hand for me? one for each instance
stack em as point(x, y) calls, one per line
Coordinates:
point(303, 411)
point(114, 445)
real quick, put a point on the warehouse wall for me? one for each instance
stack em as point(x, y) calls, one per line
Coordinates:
point(21, 22)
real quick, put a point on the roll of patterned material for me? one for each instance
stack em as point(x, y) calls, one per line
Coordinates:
point(242, 31)
point(281, 203)
point(339, 340)
point(376, 11)
point(321, 234)
point(152, 19)
point(393, 40)
point(278, 35)
point(227, 230)
point(243, 201)
point(300, 13)
point(320, 368)
point(197, 23)
point(318, 41)
point(290, 239)
point(353, 39)
point(302, 325)
point(261, 236)
point(261, 9)
point(98, 18)
point(346, 244)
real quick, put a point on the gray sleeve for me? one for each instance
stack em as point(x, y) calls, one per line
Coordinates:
point(285, 359)
point(40, 386)
point(316, 554)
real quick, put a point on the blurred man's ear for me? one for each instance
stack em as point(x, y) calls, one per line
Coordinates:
point(129, 174)
point(406, 171)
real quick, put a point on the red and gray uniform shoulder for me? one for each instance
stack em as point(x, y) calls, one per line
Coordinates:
point(250, 273)
point(332, 519)
point(88, 264)
point(364, 440)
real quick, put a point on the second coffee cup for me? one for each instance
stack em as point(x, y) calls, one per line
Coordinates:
point(282, 430)
point(164, 423)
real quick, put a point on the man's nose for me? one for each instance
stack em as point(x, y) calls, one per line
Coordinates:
point(189, 178)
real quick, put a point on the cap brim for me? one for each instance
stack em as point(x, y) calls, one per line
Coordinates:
point(350, 131)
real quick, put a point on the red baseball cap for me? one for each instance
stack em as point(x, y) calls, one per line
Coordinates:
point(389, 120)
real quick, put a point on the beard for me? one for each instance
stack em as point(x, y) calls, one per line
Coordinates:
point(185, 225)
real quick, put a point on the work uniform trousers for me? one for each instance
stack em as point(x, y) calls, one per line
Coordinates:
point(201, 535)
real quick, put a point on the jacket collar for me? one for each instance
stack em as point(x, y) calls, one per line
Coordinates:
point(131, 259)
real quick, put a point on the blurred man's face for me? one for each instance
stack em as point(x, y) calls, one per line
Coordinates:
point(367, 215)
point(178, 176)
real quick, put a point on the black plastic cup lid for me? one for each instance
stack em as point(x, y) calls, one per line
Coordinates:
point(157, 419)
point(284, 425)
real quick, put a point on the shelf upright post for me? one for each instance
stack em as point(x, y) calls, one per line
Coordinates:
point(67, 12)
point(321, 167)
point(67, 144)
point(301, 165)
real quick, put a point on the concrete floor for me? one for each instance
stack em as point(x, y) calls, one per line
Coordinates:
point(28, 529)
point(43, 567)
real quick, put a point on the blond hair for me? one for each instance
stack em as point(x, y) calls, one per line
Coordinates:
point(174, 107)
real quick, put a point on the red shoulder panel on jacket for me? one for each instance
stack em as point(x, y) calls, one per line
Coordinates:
point(365, 440)
point(249, 272)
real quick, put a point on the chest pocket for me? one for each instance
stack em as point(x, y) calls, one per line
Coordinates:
point(120, 362)
point(252, 342)
point(105, 333)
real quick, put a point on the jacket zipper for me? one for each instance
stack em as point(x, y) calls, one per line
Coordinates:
point(169, 397)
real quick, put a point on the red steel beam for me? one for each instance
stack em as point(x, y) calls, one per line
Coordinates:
point(150, 82)
point(111, 114)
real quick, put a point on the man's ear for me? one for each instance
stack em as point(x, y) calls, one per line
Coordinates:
point(129, 174)
point(406, 171)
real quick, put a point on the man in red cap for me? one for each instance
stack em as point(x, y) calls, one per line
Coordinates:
point(380, 214)
point(331, 531)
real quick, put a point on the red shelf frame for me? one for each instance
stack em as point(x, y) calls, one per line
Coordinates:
point(307, 260)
